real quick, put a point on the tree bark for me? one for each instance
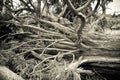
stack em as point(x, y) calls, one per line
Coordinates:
point(6, 74)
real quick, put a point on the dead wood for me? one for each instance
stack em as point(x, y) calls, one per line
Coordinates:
point(6, 74)
point(56, 47)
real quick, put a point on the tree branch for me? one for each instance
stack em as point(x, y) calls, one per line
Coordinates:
point(63, 11)
point(30, 1)
point(84, 6)
point(99, 59)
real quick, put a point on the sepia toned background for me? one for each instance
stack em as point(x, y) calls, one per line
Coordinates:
point(114, 7)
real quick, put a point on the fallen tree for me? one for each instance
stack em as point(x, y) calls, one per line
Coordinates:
point(46, 45)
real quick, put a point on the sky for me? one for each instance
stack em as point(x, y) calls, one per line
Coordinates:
point(114, 7)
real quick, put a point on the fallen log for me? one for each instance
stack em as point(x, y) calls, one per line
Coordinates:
point(7, 74)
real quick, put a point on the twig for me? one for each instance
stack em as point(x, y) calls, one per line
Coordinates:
point(84, 6)
point(81, 71)
point(39, 57)
point(63, 11)
point(42, 62)
point(49, 46)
